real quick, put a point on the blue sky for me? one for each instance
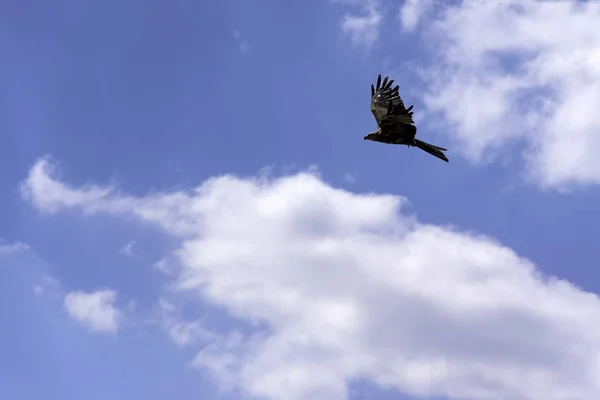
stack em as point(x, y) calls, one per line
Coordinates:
point(309, 263)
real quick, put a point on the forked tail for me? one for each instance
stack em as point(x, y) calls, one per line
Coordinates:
point(431, 149)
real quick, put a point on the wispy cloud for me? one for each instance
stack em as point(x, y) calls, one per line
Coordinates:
point(181, 331)
point(128, 249)
point(349, 178)
point(6, 248)
point(412, 12)
point(166, 266)
point(363, 24)
point(48, 285)
point(38, 290)
point(242, 43)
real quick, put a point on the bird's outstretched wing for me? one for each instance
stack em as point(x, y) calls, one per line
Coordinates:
point(398, 117)
point(382, 96)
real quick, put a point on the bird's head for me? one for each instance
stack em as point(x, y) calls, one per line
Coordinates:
point(373, 136)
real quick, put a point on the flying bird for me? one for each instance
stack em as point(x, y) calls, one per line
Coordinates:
point(394, 121)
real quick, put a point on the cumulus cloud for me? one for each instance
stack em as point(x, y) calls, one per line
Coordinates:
point(509, 73)
point(341, 286)
point(96, 310)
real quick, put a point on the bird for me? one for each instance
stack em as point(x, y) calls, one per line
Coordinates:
point(395, 124)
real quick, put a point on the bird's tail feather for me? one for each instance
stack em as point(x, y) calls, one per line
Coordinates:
point(431, 149)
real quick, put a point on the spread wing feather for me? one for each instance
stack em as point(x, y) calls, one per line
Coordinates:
point(397, 115)
point(386, 102)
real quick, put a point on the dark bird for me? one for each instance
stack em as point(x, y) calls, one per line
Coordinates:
point(395, 122)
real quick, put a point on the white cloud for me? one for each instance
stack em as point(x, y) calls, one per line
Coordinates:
point(38, 290)
point(96, 310)
point(166, 266)
point(349, 287)
point(362, 27)
point(181, 331)
point(55, 195)
point(128, 249)
point(349, 178)
point(49, 195)
point(412, 11)
point(48, 285)
point(242, 43)
point(50, 281)
point(9, 248)
point(510, 72)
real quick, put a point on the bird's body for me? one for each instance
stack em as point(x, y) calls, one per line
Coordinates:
point(394, 121)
